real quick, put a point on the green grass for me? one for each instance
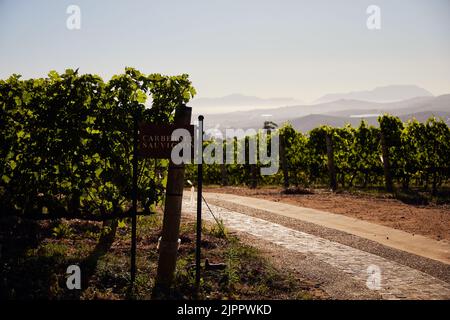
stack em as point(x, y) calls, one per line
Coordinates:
point(38, 270)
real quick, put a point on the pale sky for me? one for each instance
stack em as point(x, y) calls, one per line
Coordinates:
point(299, 49)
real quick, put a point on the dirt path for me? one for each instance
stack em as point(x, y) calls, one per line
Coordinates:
point(383, 277)
point(430, 221)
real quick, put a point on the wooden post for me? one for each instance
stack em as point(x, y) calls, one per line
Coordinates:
point(251, 167)
point(223, 172)
point(386, 163)
point(134, 201)
point(283, 160)
point(172, 215)
point(254, 176)
point(223, 168)
point(434, 182)
point(331, 167)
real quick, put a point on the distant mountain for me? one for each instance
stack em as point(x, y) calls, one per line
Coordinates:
point(416, 105)
point(380, 94)
point(235, 102)
point(307, 123)
point(255, 118)
point(424, 116)
point(336, 113)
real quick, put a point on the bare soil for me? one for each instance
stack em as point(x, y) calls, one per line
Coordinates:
point(432, 220)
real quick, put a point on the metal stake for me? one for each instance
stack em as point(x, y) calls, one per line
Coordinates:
point(199, 204)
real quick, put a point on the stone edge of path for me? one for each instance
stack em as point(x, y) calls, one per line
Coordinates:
point(434, 268)
point(337, 285)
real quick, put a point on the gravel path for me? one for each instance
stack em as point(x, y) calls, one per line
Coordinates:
point(384, 276)
point(432, 267)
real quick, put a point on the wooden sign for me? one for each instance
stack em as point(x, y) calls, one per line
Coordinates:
point(155, 140)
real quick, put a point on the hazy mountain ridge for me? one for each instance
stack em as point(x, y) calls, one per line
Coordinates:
point(380, 94)
point(237, 101)
point(310, 122)
point(337, 113)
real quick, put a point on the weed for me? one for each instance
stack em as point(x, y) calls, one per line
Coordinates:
point(52, 249)
point(62, 230)
point(231, 270)
point(218, 230)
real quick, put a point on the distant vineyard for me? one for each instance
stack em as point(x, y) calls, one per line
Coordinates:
point(394, 153)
